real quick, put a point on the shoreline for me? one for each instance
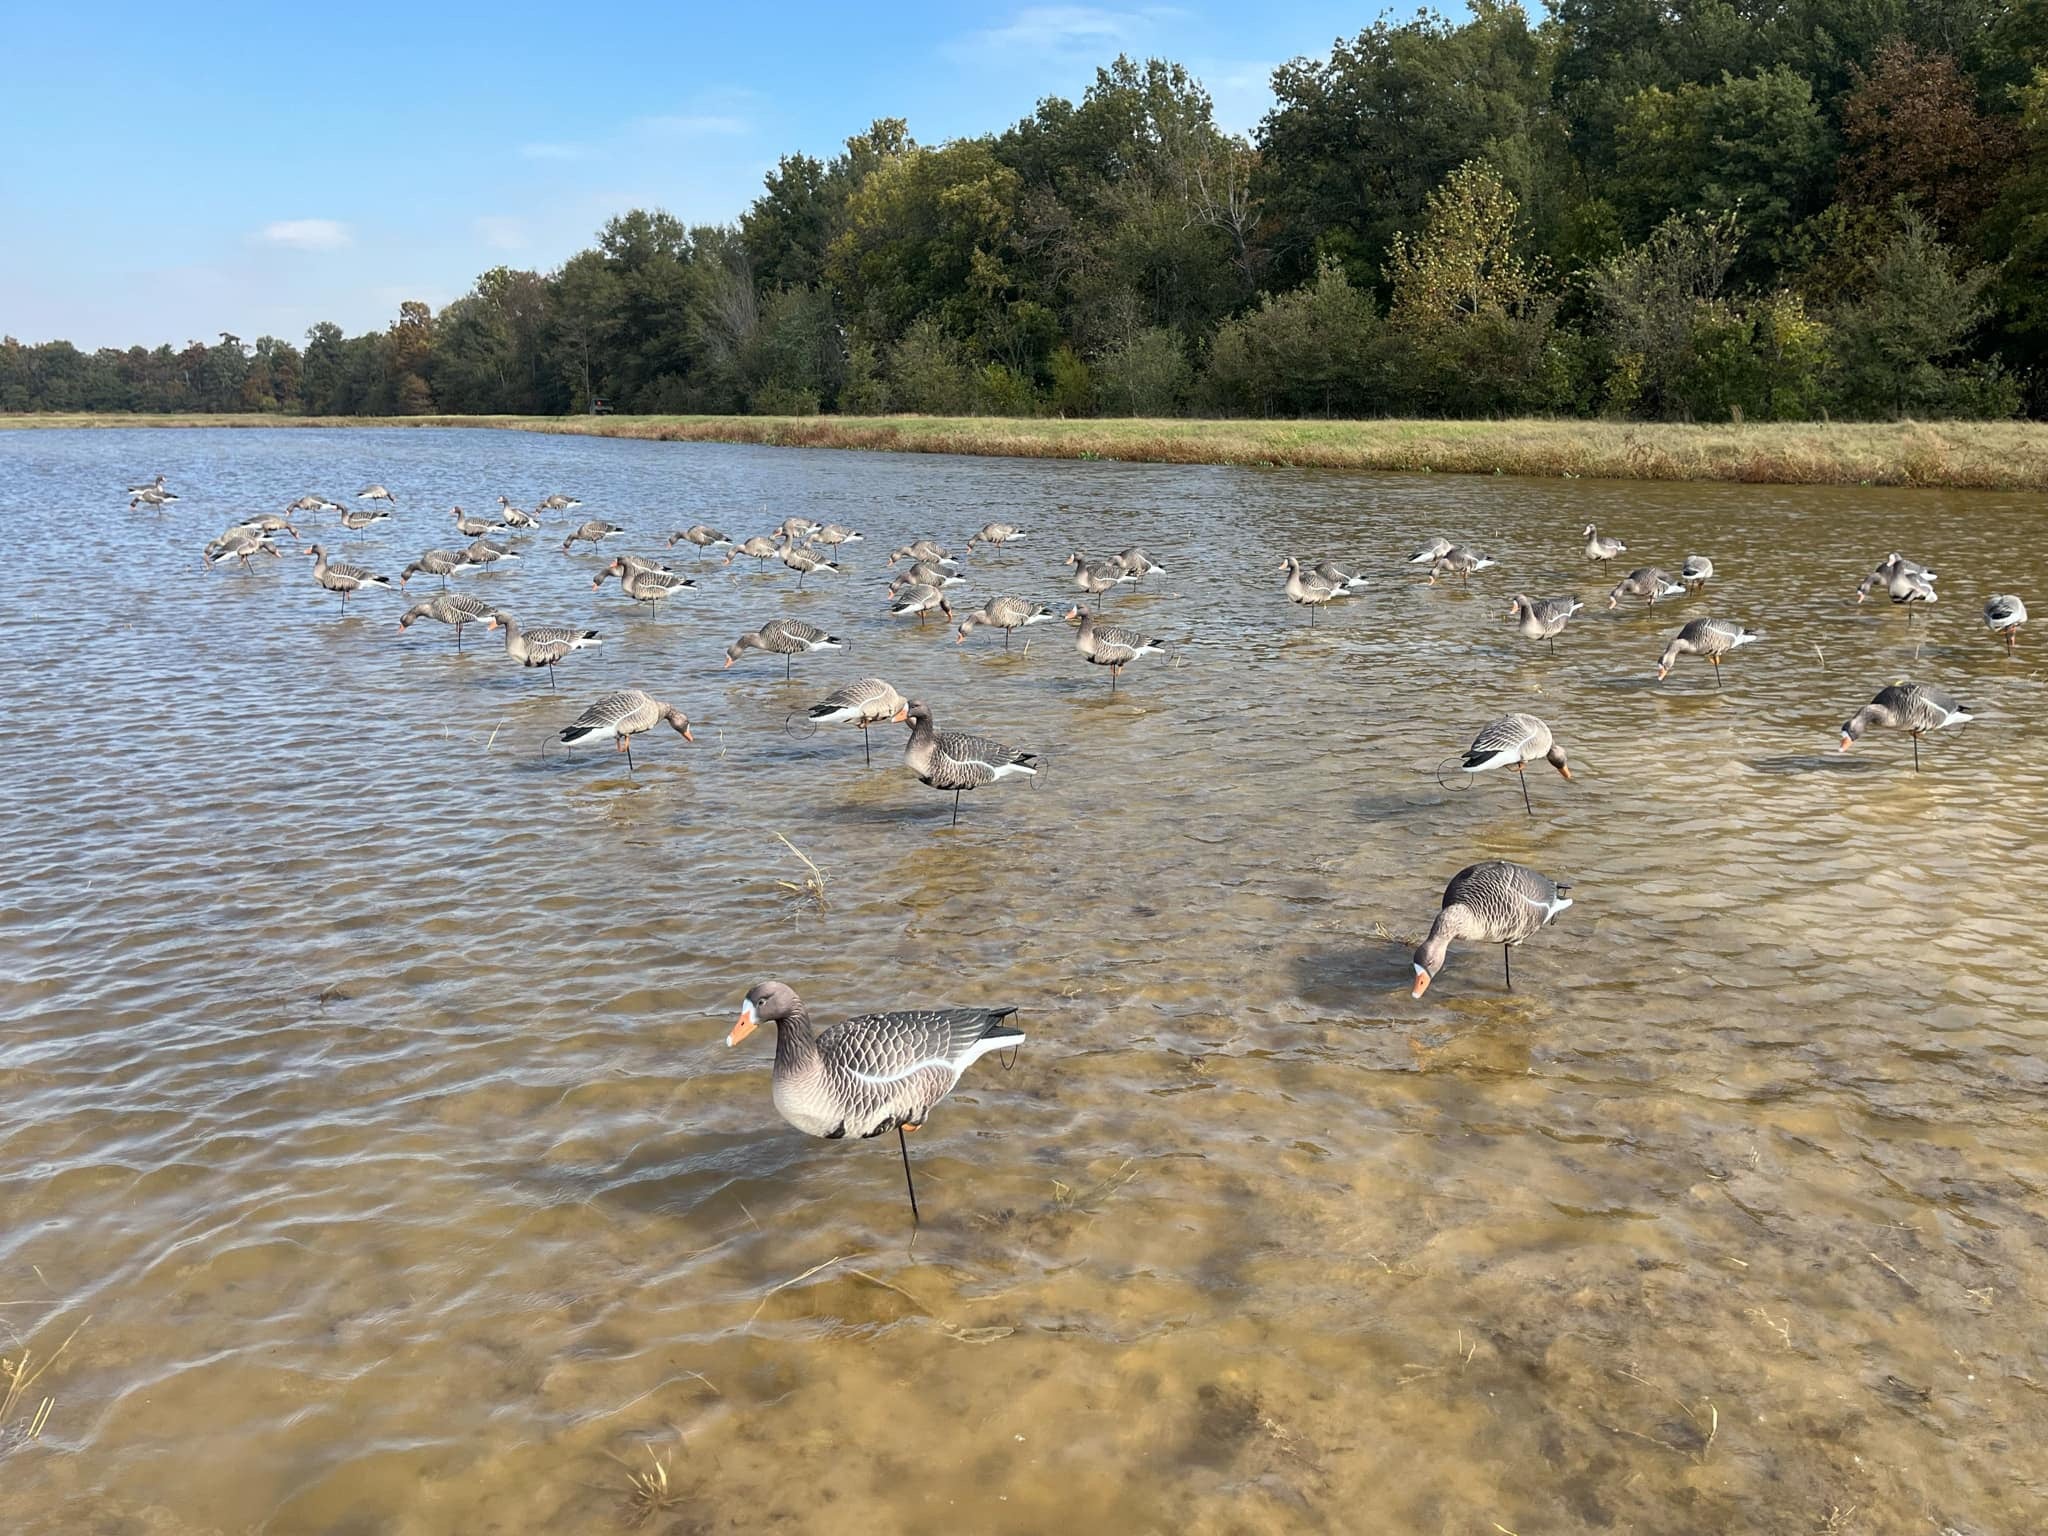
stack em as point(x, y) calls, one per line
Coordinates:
point(1955, 455)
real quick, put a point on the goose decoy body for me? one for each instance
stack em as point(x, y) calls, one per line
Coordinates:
point(1915, 708)
point(557, 503)
point(1711, 638)
point(471, 527)
point(543, 645)
point(1514, 741)
point(1494, 903)
point(1340, 575)
point(356, 519)
point(873, 1074)
point(515, 517)
point(239, 544)
point(927, 575)
point(451, 608)
point(481, 552)
point(344, 579)
point(1005, 613)
point(619, 717)
point(925, 550)
point(148, 485)
point(700, 534)
point(313, 504)
point(152, 498)
point(1096, 577)
point(643, 580)
point(870, 701)
point(920, 598)
point(997, 534)
point(804, 561)
point(1542, 618)
point(1897, 575)
point(1646, 582)
point(957, 761)
point(376, 493)
point(590, 533)
point(1111, 645)
point(269, 522)
point(1431, 552)
point(1137, 562)
point(833, 535)
point(1460, 562)
point(787, 638)
point(436, 562)
point(795, 529)
point(759, 547)
point(1907, 588)
point(1310, 588)
point(2004, 614)
point(1697, 571)
point(1599, 546)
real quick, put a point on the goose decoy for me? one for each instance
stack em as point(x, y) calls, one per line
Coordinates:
point(269, 522)
point(804, 561)
point(1542, 618)
point(758, 547)
point(1514, 741)
point(644, 582)
point(1697, 571)
point(1896, 574)
point(436, 562)
point(515, 517)
point(997, 534)
point(471, 527)
point(796, 529)
point(1096, 577)
point(700, 535)
point(313, 504)
point(542, 646)
point(1711, 638)
point(787, 638)
point(2005, 613)
point(376, 493)
point(557, 503)
point(1310, 588)
point(152, 498)
point(356, 519)
point(619, 717)
point(1645, 581)
point(1600, 547)
point(336, 577)
point(919, 598)
point(957, 761)
point(481, 552)
point(148, 485)
point(1340, 575)
point(239, 544)
point(1907, 588)
point(1111, 645)
point(1431, 552)
point(870, 1075)
point(1460, 562)
point(925, 550)
point(1005, 613)
point(1138, 563)
point(832, 535)
point(1494, 903)
point(448, 608)
point(867, 702)
point(928, 575)
point(590, 533)
point(1915, 708)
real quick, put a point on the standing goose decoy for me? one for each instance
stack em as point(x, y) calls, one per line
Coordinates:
point(481, 552)
point(928, 575)
point(1095, 577)
point(833, 535)
point(919, 598)
point(1310, 588)
point(448, 608)
point(795, 530)
point(997, 534)
point(759, 547)
point(1915, 708)
point(148, 485)
point(619, 717)
point(152, 498)
point(1460, 562)
point(1005, 613)
point(515, 517)
point(1897, 575)
point(957, 761)
point(1137, 562)
point(1711, 638)
point(873, 1074)
point(376, 493)
point(590, 533)
point(787, 638)
point(470, 527)
point(1494, 903)
point(644, 582)
point(1697, 571)
point(925, 550)
point(867, 702)
point(557, 503)
point(1111, 645)
point(1514, 741)
point(239, 544)
point(1645, 581)
point(2005, 614)
point(336, 577)
point(1432, 552)
point(804, 561)
point(1599, 547)
point(1542, 618)
point(356, 519)
point(542, 646)
point(312, 504)
point(699, 534)
point(1907, 588)
point(436, 562)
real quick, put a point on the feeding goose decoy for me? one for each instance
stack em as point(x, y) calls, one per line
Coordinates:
point(356, 519)
point(470, 527)
point(2004, 614)
point(590, 533)
point(1542, 618)
point(1915, 708)
point(152, 498)
point(700, 534)
point(268, 523)
point(1711, 638)
point(344, 579)
point(920, 598)
point(643, 580)
point(1697, 571)
point(376, 493)
point(1645, 581)
point(1095, 577)
point(787, 638)
point(833, 535)
point(1460, 562)
point(1514, 741)
point(1137, 562)
point(515, 517)
point(543, 645)
point(436, 562)
point(557, 503)
point(1897, 575)
point(1310, 588)
point(313, 504)
point(1432, 552)
point(1111, 645)
point(148, 485)
point(481, 552)
point(870, 701)
point(1599, 546)
point(239, 544)
point(759, 547)
point(997, 534)
point(925, 550)
point(450, 608)
point(804, 561)
point(873, 1074)
point(927, 575)
point(619, 717)
point(1340, 575)
point(957, 761)
point(1005, 613)
point(1494, 903)
point(796, 529)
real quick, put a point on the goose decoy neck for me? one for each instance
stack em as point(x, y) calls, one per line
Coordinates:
point(1452, 922)
point(1864, 718)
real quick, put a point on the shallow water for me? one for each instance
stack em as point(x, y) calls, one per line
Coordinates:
point(366, 1087)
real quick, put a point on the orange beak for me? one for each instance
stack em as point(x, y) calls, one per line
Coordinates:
point(728, 661)
point(900, 716)
point(1847, 743)
point(686, 734)
point(1660, 673)
point(1565, 769)
point(1421, 982)
point(746, 1025)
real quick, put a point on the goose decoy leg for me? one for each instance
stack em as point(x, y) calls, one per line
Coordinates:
point(1507, 965)
point(1526, 805)
point(908, 1183)
point(1916, 751)
point(866, 747)
point(458, 639)
point(956, 807)
point(1006, 639)
point(1717, 672)
point(628, 743)
point(787, 663)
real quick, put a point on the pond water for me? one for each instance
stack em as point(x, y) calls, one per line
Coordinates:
point(367, 1098)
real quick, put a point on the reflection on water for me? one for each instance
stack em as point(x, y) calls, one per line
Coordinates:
point(366, 1085)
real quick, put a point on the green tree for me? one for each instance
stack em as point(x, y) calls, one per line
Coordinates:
point(1903, 346)
point(1313, 351)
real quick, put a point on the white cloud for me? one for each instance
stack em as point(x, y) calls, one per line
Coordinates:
point(551, 151)
point(499, 232)
point(307, 234)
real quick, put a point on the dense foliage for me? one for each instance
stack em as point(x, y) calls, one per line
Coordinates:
point(1672, 209)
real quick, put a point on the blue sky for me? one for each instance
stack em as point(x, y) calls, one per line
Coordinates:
point(182, 170)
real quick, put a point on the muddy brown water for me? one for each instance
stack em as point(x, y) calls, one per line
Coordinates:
point(365, 1084)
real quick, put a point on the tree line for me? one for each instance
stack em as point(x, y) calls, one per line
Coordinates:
point(1664, 209)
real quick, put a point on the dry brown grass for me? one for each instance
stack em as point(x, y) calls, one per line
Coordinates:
point(2003, 455)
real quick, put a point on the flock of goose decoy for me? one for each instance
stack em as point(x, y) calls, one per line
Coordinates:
point(879, 1072)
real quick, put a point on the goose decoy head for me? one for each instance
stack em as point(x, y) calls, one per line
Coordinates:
point(1556, 758)
point(766, 1003)
point(1075, 614)
point(913, 712)
point(678, 719)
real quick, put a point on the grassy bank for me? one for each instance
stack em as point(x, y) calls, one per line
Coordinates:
point(1967, 455)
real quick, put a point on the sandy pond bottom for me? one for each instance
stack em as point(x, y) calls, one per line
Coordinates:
point(365, 1085)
